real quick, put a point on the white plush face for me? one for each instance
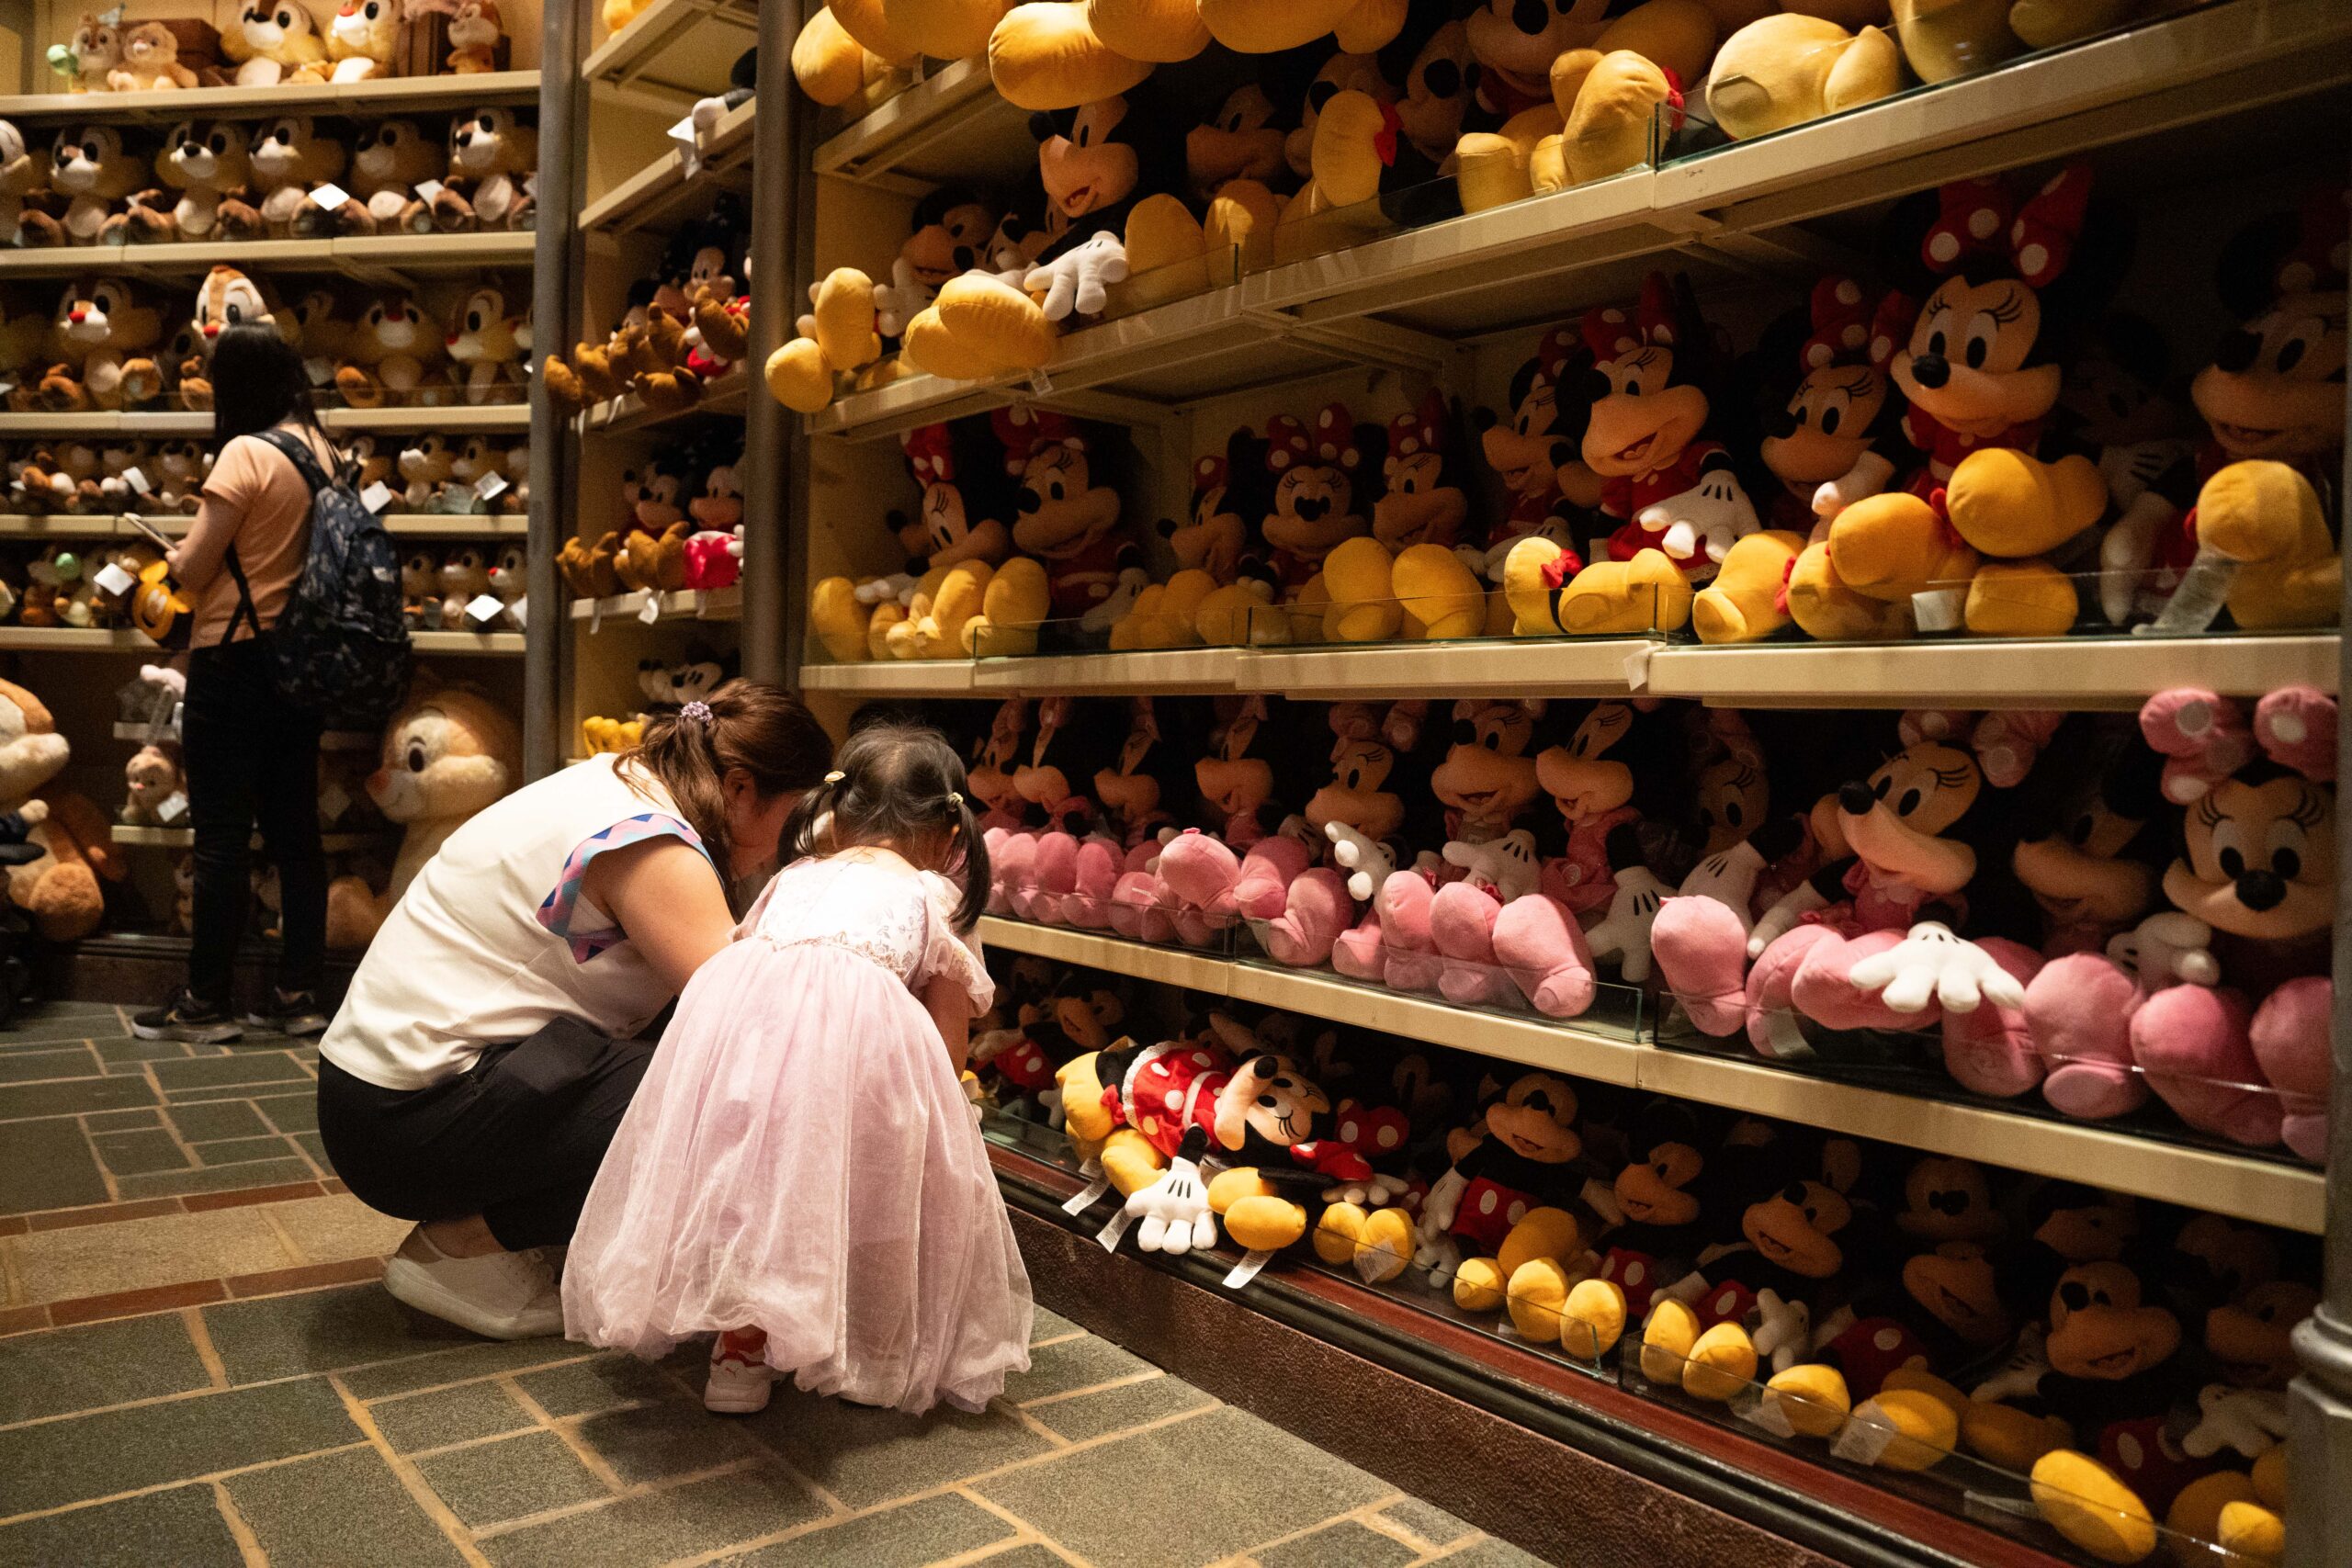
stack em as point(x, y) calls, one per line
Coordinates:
point(474, 139)
point(506, 572)
point(462, 571)
point(26, 760)
point(279, 146)
point(269, 26)
point(79, 155)
point(230, 299)
point(432, 768)
point(360, 22)
point(427, 460)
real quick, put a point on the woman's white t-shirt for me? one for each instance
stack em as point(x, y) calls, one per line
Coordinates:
point(492, 941)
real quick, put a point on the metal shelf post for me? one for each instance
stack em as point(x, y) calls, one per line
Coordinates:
point(555, 451)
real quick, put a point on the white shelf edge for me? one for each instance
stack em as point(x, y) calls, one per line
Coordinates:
point(390, 94)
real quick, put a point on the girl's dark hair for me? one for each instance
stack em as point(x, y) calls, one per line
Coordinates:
point(903, 784)
point(760, 729)
point(258, 381)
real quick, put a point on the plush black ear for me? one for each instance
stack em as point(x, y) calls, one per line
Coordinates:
point(745, 71)
point(1047, 124)
point(934, 205)
point(1895, 246)
point(2246, 275)
point(1145, 127)
point(2075, 302)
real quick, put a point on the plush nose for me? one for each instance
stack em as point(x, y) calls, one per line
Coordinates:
point(1855, 799)
point(2260, 890)
point(1030, 500)
point(1310, 508)
point(963, 258)
point(1779, 423)
point(1930, 369)
point(1530, 16)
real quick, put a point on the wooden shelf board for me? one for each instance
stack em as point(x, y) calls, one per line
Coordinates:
point(2240, 1186)
point(1174, 671)
point(666, 46)
point(512, 418)
point(1498, 667)
point(104, 524)
point(666, 186)
point(894, 677)
point(467, 642)
point(76, 639)
point(59, 524)
point(950, 124)
point(627, 413)
point(395, 95)
point(139, 838)
point(685, 604)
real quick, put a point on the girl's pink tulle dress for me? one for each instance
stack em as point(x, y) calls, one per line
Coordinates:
point(802, 1158)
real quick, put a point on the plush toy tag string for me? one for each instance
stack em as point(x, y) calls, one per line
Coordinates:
point(1083, 1199)
point(1247, 1270)
point(1117, 1227)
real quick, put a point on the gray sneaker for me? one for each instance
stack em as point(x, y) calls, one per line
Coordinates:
point(501, 1295)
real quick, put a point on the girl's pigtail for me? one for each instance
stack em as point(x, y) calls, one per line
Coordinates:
point(975, 861)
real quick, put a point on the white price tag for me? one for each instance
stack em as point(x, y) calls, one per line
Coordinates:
point(1637, 668)
point(689, 146)
point(1864, 1438)
point(377, 496)
point(112, 579)
point(1247, 1270)
point(1083, 1199)
point(1940, 609)
point(522, 615)
point(490, 484)
point(426, 189)
point(137, 480)
point(334, 801)
point(483, 608)
point(330, 196)
point(1111, 1233)
point(651, 610)
point(174, 806)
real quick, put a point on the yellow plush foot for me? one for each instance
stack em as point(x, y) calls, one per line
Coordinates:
point(1824, 608)
point(2008, 1437)
point(1723, 1362)
point(1384, 1246)
point(2083, 1501)
point(1923, 1428)
point(839, 620)
point(2196, 1513)
point(1231, 616)
point(1742, 604)
point(1478, 1285)
point(1012, 610)
point(2020, 599)
point(1594, 1319)
point(1165, 258)
point(1130, 1161)
point(1363, 605)
point(2251, 1532)
point(2008, 505)
point(1540, 1232)
point(1265, 1223)
point(1439, 593)
point(1528, 588)
point(1614, 598)
point(1666, 1339)
point(993, 321)
point(1812, 1398)
point(1337, 1233)
point(1537, 1293)
point(1145, 623)
point(2267, 518)
point(888, 615)
point(798, 377)
point(843, 319)
point(1891, 547)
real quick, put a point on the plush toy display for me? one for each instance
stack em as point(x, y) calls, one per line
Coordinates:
point(60, 888)
point(157, 794)
point(492, 176)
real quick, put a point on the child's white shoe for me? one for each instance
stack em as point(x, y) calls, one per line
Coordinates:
point(738, 1384)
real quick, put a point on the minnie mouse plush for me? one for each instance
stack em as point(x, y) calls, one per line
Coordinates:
point(1320, 486)
point(1535, 452)
point(2256, 884)
point(1065, 519)
point(2010, 286)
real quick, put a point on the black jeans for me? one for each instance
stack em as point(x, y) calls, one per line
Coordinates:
point(251, 761)
point(516, 1139)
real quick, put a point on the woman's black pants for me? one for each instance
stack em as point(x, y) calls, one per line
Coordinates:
point(251, 761)
point(516, 1139)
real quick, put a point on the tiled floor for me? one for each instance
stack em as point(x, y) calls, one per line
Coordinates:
point(255, 1421)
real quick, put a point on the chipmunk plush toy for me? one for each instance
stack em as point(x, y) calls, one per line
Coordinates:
point(486, 345)
point(59, 888)
point(2252, 893)
point(492, 173)
point(364, 37)
point(226, 299)
point(275, 41)
point(396, 357)
point(89, 168)
point(206, 161)
point(290, 158)
point(391, 158)
point(151, 62)
point(105, 333)
point(1986, 532)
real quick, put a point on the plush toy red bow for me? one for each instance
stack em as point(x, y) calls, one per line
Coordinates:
point(1335, 431)
point(1553, 352)
point(2322, 255)
point(1612, 329)
point(930, 455)
point(1025, 431)
point(1849, 329)
point(1979, 217)
point(1210, 473)
point(1418, 429)
point(1286, 443)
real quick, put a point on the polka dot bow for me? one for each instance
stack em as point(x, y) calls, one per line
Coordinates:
point(1210, 472)
point(1286, 444)
point(1335, 437)
point(1850, 328)
point(1612, 330)
point(1026, 432)
point(1420, 429)
point(1980, 218)
point(930, 455)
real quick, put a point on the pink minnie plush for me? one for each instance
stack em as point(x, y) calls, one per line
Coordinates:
point(2253, 897)
point(1245, 872)
point(1129, 790)
point(1486, 784)
point(1354, 823)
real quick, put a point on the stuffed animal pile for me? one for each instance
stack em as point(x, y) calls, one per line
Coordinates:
point(1307, 129)
point(683, 329)
point(680, 525)
point(2109, 1365)
point(281, 42)
point(2001, 905)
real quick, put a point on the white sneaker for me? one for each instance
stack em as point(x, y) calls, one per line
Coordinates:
point(737, 1385)
point(502, 1295)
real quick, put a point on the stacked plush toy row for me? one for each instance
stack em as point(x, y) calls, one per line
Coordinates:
point(108, 344)
point(1973, 441)
point(293, 177)
point(683, 328)
point(681, 525)
point(282, 42)
point(1172, 133)
point(2131, 1358)
point(2098, 910)
point(101, 475)
point(86, 585)
point(666, 684)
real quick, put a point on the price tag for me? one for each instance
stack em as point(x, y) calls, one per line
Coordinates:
point(334, 801)
point(483, 608)
point(330, 196)
point(651, 610)
point(377, 496)
point(689, 145)
point(490, 484)
point(137, 480)
point(1083, 1199)
point(114, 579)
point(1637, 668)
point(1247, 1270)
point(426, 189)
point(1109, 1235)
point(174, 806)
point(519, 611)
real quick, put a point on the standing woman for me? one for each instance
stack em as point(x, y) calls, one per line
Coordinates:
point(250, 758)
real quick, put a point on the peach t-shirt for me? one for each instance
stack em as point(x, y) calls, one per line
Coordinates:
point(270, 509)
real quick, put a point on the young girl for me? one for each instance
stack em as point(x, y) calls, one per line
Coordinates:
point(801, 1169)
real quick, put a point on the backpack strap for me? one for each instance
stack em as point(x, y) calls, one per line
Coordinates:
point(297, 452)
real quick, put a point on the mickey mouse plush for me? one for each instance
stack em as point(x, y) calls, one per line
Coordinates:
point(1534, 450)
point(1063, 518)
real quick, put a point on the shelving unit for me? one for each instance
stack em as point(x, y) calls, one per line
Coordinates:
point(99, 524)
point(185, 838)
point(388, 95)
point(2242, 1186)
point(369, 258)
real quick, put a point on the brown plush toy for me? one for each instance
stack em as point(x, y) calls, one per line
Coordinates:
point(392, 158)
point(90, 169)
point(206, 161)
point(493, 160)
point(396, 357)
point(290, 158)
point(103, 339)
point(61, 891)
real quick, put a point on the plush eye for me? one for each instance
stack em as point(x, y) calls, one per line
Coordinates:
point(415, 758)
point(1879, 786)
point(1085, 133)
point(2287, 849)
point(2074, 1294)
point(285, 18)
point(235, 313)
point(1731, 813)
point(219, 141)
point(473, 320)
point(1982, 332)
point(1830, 419)
point(2079, 831)
point(1908, 803)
